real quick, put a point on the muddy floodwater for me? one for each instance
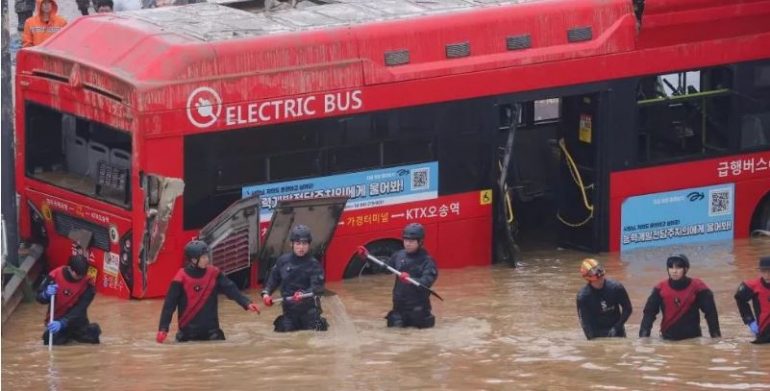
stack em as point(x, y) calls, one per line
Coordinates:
point(499, 328)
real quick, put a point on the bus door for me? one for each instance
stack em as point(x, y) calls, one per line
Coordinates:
point(321, 215)
point(233, 237)
point(578, 172)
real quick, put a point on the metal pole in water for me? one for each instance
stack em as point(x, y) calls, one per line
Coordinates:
point(50, 319)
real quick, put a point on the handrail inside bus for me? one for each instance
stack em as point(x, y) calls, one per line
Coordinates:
point(721, 91)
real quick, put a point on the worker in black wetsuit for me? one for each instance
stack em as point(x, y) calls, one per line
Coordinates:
point(193, 294)
point(411, 304)
point(680, 298)
point(74, 293)
point(301, 281)
point(756, 291)
point(602, 304)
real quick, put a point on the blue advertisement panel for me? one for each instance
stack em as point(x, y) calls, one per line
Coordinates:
point(366, 189)
point(674, 217)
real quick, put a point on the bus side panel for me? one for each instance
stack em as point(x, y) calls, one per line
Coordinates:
point(465, 219)
point(159, 160)
point(465, 243)
point(750, 186)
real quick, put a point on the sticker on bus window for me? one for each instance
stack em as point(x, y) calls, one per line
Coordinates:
point(585, 128)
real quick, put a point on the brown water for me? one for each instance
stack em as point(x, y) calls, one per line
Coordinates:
point(499, 328)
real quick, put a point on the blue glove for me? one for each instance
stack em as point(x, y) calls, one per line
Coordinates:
point(51, 290)
point(754, 327)
point(54, 326)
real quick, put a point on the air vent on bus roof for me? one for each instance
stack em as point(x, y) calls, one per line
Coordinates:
point(518, 42)
point(455, 50)
point(397, 57)
point(579, 34)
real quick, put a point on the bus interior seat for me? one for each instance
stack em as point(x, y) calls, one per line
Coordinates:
point(96, 152)
point(755, 130)
point(77, 155)
point(69, 131)
point(120, 158)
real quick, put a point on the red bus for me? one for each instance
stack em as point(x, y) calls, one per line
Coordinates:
point(597, 125)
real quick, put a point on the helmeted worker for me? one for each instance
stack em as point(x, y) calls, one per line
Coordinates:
point(603, 305)
point(297, 273)
point(680, 298)
point(74, 293)
point(756, 291)
point(193, 294)
point(411, 304)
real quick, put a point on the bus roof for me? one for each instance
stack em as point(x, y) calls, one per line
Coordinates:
point(216, 21)
point(177, 44)
point(151, 58)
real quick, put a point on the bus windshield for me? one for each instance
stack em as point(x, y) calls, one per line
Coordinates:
point(77, 154)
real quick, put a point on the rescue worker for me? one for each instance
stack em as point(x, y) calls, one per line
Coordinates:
point(83, 6)
point(193, 294)
point(603, 305)
point(411, 304)
point(74, 293)
point(45, 23)
point(297, 273)
point(104, 6)
point(680, 298)
point(757, 291)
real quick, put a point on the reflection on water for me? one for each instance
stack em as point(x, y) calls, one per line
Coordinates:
point(499, 328)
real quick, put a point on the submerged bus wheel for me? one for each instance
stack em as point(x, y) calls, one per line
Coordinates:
point(381, 249)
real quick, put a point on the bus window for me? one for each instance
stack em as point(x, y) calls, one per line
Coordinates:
point(755, 105)
point(354, 157)
point(79, 155)
point(685, 114)
point(547, 109)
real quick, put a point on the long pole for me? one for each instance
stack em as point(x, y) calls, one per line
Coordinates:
point(7, 154)
point(364, 253)
point(50, 319)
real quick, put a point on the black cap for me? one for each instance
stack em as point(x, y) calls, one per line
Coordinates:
point(195, 249)
point(679, 260)
point(299, 233)
point(78, 264)
point(414, 231)
point(764, 262)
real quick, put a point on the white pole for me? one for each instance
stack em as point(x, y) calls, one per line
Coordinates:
point(50, 334)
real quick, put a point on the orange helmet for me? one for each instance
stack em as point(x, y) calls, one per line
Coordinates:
point(591, 270)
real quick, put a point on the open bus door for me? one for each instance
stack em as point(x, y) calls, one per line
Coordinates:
point(233, 237)
point(321, 215)
point(577, 206)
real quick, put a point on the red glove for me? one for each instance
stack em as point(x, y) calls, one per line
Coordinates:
point(362, 252)
point(297, 297)
point(252, 307)
point(161, 336)
point(268, 300)
point(403, 277)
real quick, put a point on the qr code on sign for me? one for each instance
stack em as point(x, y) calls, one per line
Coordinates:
point(420, 179)
point(720, 202)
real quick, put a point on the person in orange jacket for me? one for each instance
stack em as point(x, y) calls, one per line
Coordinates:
point(43, 24)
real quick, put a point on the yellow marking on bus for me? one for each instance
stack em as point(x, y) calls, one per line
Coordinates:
point(485, 197)
point(47, 215)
